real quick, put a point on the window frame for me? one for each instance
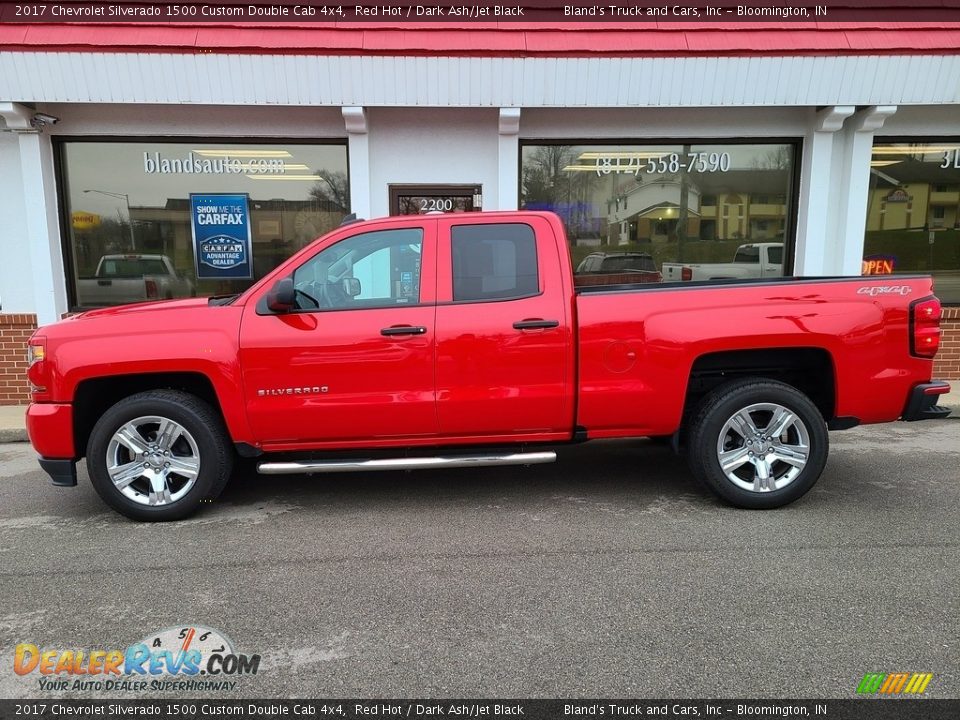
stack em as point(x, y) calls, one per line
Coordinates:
point(59, 143)
point(423, 249)
point(879, 139)
point(536, 255)
point(792, 192)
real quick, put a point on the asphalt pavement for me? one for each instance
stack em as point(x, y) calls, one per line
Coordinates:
point(610, 574)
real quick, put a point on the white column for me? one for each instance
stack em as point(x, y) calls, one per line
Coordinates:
point(46, 279)
point(816, 188)
point(508, 177)
point(856, 183)
point(358, 150)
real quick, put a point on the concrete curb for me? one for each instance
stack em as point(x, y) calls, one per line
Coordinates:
point(10, 435)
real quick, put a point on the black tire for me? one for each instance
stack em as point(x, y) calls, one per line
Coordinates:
point(203, 426)
point(709, 422)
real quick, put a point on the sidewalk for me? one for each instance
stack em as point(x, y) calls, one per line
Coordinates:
point(13, 428)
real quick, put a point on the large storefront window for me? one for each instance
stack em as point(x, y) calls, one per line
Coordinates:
point(667, 211)
point(160, 220)
point(913, 213)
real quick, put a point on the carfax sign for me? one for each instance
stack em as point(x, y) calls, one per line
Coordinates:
point(221, 236)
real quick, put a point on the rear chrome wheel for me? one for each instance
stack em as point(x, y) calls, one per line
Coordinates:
point(757, 443)
point(763, 447)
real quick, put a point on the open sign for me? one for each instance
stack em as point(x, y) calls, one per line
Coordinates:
point(879, 265)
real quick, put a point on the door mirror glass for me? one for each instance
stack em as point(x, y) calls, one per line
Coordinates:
point(282, 296)
point(351, 286)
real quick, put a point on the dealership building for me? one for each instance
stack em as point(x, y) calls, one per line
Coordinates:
point(834, 147)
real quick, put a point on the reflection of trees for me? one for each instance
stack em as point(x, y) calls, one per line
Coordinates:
point(545, 185)
point(333, 188)
point(777, 158)
point(108, 237)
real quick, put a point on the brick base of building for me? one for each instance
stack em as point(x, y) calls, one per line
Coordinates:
point(947, 364)
point(15, 330)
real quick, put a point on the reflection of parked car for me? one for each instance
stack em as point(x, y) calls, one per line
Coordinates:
point(756, 260)
point(616, 268)
point(132, 278)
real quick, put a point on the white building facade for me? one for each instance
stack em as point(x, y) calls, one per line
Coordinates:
point(679, 155)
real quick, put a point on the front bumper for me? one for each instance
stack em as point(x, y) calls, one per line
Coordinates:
point(61, 472)
point(922, 403)
point(50, 427)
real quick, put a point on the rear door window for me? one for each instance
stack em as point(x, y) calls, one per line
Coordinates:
point(494, 262)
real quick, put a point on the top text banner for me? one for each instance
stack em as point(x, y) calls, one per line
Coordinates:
point(486, 11)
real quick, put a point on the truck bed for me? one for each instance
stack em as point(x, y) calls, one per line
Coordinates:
point(640, 341)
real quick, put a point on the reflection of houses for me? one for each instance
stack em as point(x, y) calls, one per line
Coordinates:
point(732, 205)
point(908, 193)
point(641, 212)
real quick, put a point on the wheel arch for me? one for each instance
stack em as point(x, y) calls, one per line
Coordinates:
point(95, 395)
point(810, 370)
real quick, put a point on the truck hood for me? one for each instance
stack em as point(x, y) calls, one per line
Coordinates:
point(144, 307)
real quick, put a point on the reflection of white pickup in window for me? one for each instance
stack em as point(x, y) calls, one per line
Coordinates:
point(755, 260)
point(133, 278)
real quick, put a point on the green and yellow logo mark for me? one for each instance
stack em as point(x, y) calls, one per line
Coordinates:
point(894, 683)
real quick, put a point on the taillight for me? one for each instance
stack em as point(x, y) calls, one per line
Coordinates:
point(36, 364)
point(686, 274)
point(925, 324)
point(152, 292)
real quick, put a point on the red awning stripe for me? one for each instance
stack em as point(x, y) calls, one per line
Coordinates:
point(490, 39)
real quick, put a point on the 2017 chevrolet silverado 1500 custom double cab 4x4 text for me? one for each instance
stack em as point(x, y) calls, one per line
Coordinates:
point(460, 340)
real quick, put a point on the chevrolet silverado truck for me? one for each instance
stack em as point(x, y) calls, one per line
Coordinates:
point(754, 260)
point(440, 341)
point(133, 278)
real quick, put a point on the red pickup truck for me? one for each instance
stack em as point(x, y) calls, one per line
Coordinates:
point(461, 340)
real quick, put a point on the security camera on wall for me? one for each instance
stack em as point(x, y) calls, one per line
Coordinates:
point(41, 119)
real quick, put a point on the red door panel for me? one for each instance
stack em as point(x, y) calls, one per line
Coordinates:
point(504, 364)
point(335, 374)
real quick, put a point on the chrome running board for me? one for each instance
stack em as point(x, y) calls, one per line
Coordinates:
point(414, 463)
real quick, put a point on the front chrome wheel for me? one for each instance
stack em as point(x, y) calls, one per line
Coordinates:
point(153, 460)
point(763, 447)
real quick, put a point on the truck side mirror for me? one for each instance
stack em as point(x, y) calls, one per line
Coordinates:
point(282, 296)
point(351, 286)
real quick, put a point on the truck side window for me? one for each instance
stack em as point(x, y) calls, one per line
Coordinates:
point(372, 270)
point(494, 262)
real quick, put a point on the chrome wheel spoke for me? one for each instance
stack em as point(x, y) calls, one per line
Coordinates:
point(167, 434)
point(730, 460)
point(743, 424)
point(130, 438)
point(123, 475)
point(792, 455)
point(781, 420)
point(189, 467)
point(159, 492)
point(762, 480)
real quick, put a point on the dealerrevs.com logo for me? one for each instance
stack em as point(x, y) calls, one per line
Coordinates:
point(190, 658)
